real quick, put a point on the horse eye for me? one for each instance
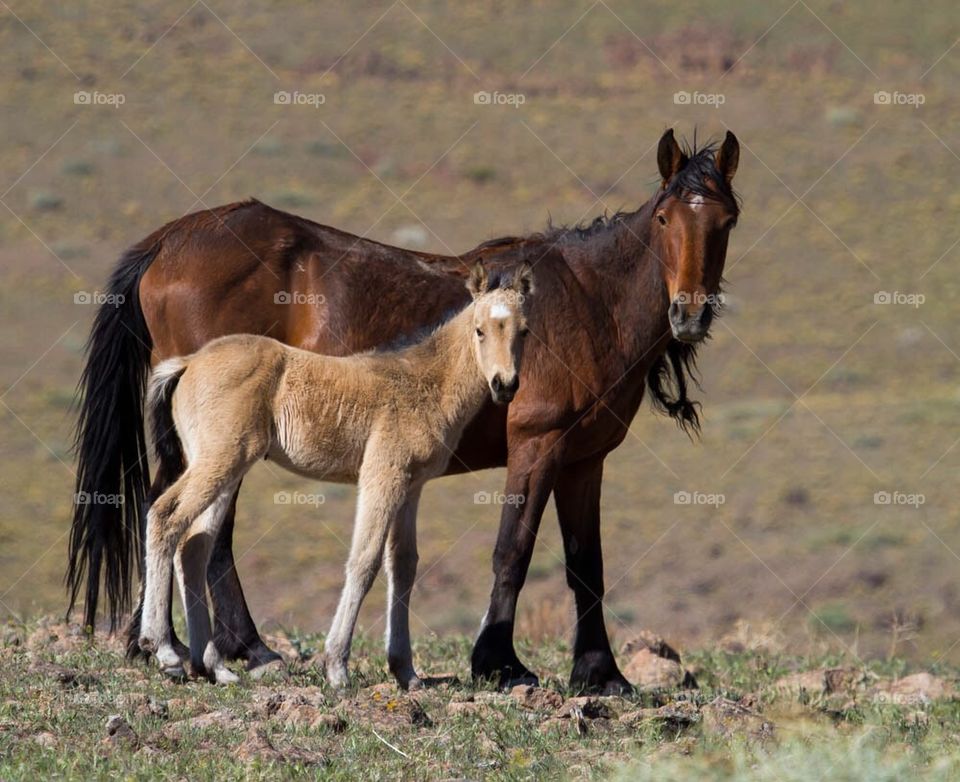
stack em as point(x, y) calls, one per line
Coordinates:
point(524, 331)
point(480, 333)
point(661, 219)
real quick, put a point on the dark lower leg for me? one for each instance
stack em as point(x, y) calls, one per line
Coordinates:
point(493, 655)
point(578, 508)
point(234, 633)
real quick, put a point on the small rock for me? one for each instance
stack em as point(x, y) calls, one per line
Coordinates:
point(223, 718)
point(257, 746)
point(46, 740)
point(536, 698)
point(119, 732)
point(655, 665)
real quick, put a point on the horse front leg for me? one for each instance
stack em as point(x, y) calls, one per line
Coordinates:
point(577, 497)
point(235, 634)
point(532, 468)
point(382, 493)
point(401, 568)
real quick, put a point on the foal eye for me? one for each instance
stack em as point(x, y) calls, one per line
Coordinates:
point(661, 219)
point(524, 331)
point(480, 333)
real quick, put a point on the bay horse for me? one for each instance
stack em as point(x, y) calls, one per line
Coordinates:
point(632, 297)
point(386, 421)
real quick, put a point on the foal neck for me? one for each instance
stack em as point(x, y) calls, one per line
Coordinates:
point(451, 363)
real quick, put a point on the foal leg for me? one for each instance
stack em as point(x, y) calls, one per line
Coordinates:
point(379, 500)
point(168, 519)
point(192, 557)
point(401, 569)
point(161, 483)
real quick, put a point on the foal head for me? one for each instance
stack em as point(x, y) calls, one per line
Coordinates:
point(499, 326)
point(691, 222)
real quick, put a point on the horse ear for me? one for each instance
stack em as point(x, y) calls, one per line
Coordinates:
point(478, 281)
point(728, 156)
point(670, 157)
point(523, 280)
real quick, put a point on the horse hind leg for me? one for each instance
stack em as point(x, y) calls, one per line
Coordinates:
point(401, 568)
point(191, 562)
point(168, 519)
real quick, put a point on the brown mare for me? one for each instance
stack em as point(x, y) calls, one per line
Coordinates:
point(629, 298)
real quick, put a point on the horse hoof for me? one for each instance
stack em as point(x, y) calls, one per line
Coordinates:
point(274, 670)
point(527, 679)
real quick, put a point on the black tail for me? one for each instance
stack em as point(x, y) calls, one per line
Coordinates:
point(112, 474)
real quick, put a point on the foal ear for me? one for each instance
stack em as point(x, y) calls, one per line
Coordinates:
point(728, 156)
point(523, 280)
point(478, 281)
point(670, 157)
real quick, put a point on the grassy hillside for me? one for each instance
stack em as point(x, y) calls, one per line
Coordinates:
point(398, 150)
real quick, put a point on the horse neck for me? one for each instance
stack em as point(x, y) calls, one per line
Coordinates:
point(450, 366)
point(626, 262)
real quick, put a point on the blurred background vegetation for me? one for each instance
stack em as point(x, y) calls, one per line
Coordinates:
point(814, 396)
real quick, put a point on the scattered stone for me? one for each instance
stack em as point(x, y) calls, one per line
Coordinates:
point(119, 733)
point(305, 715)
point(556, 725)
point(723, 717)
point(457, 708)
point(257, 746)
point(655, 665)
point(67, 677)
point(46, 740)
point(918, 689)
point(536, 698)
point(272, 672)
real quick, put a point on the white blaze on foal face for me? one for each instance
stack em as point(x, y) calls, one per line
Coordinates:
point(499, 328)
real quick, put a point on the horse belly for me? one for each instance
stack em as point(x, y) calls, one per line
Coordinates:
point(327, 453)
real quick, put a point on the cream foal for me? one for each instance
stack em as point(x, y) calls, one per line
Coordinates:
point(386, 421)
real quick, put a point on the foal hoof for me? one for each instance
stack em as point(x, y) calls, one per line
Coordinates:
point(175, 672)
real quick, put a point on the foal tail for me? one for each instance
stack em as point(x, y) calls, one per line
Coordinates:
point(166, 441)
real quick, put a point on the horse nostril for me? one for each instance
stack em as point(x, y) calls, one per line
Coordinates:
point(675, 313)
point(513, 385)
point(496, 384)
